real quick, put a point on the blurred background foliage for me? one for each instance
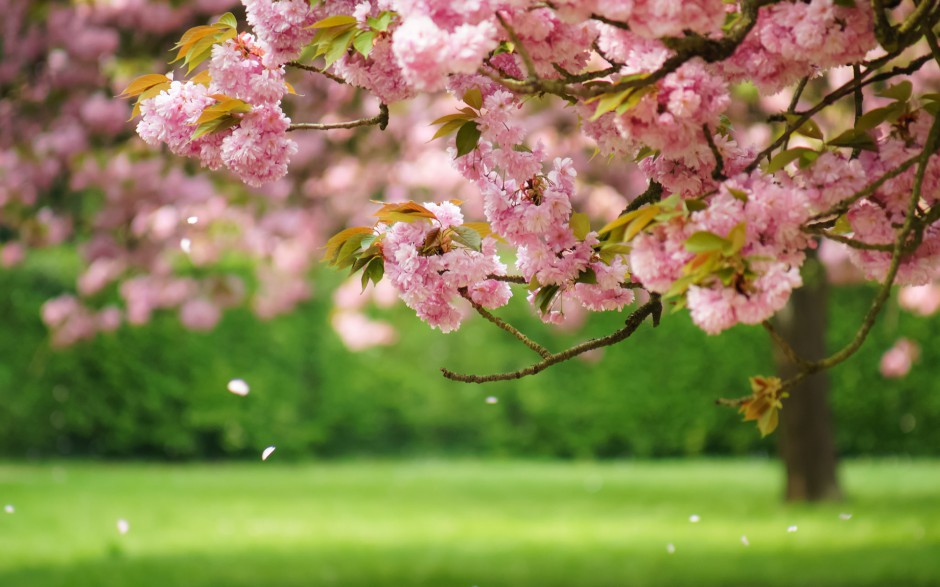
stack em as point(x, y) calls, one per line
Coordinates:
point(159, 391)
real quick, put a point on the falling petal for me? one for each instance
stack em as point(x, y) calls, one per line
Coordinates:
point(745, 541)
point(8, 509)
point(186, 245)
point(123, 526)
point(671, 548)
point(792, 529)
point(492, 399)
point(192, 220)
point(238, 387)
point(845, 516)
point(694, 518)
point(267, 452)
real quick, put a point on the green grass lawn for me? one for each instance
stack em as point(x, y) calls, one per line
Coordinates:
point(463, 524)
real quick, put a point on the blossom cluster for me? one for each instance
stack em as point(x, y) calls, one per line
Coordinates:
point(728, 238)
point(430, 271)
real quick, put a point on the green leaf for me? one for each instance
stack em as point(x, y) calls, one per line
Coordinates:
point(380, 23)
point(609, 102)
point(587, 276)
point(229, 20)
point(608, 251)
point(736, 239)
point(900, 91)
point(374, 271)
point(738, 194)
point(334, 21)
point(580, 224)
point(644, 153)
point(336, 242)
point(468, 237)
point(634, 98)
point(704, 241)
point(784, 158)
point(545, 296)
point(679, 286)
point(348, 252)
point(214, 126)
point(451, 117)
point(873, 118)
point(473, 98)
point(338, 48)
point(467, 138)
point(362, 43)
point(856, 139)
point(694, 205)
point(845, 3)
point(449, 128)
point(807, 129)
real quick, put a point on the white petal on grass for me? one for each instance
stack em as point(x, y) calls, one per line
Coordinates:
point(745, 541)
point(492, 399)
point(694, 518)
point(186, 244)
point(845, 516)
point(9, 509)
point(792, 529)
point(192, 220)
point(123, 526)
point(238, 387)
point(671, 548)
point(267, 452)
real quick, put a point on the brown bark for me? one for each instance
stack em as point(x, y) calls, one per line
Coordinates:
point(807, 440)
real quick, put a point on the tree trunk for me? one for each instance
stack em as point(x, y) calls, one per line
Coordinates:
point(807, 441)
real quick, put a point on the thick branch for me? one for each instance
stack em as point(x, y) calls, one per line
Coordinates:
point(651, 308)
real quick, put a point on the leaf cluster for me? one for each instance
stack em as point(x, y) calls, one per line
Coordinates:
point(336, 34)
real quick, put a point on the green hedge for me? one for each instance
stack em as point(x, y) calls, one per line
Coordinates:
point(159, 391)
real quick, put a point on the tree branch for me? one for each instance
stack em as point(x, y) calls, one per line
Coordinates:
point(718, 173)
point(381, 120)
point(651, 308)
point(544, 352)
point(930, 147)
point(323, 72)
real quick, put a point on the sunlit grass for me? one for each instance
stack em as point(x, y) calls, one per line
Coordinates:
point(464, 523)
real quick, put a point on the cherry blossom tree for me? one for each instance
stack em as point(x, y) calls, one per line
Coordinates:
point(766, 133)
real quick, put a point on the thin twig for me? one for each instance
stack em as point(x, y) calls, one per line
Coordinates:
point(509, 279)
point(651, 308)
point(526, 58)
point(380, 119)
point(718, 173)
point(322, 72)
point(783, 345)
point(542, 351)
point(859, 102)
point(851, 242)
point(843, 206)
